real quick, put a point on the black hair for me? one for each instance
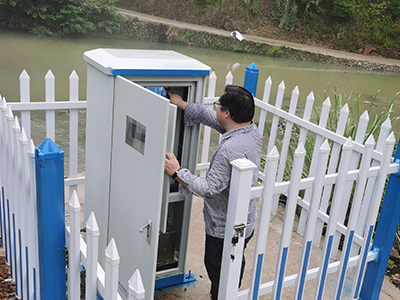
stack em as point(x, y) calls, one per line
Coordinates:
point(239, 102)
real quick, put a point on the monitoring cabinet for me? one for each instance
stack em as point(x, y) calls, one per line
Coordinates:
point(130, 126)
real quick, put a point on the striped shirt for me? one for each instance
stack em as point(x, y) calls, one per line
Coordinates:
point(243, 142)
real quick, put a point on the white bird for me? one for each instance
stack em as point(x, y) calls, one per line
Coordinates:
point(237, 35)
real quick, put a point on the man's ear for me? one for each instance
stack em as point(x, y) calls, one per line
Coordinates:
point(226, 113)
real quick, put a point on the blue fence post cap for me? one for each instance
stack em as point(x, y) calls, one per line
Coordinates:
point(48, 150)
point(251, 79)
point(252, 68)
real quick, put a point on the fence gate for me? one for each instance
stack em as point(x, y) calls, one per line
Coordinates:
point(329, 189)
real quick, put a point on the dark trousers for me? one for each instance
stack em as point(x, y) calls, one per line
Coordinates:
point(213, 259)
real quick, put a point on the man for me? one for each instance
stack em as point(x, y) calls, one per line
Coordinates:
point(240, 139)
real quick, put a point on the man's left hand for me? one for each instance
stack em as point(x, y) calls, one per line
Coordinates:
point(171, 164)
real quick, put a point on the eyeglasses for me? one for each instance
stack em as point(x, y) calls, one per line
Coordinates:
point(216, 103)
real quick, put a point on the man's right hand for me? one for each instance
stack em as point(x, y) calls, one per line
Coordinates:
point(177, 100)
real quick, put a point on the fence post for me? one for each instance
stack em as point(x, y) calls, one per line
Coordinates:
point(2, 234)
point(11, 201)
point(384, 236)
point(238, 207)
point(136, 288)
point(51, 219)
point(251, 79)
point(50, 97)
point(111, 270)
point(33, 232)
point(270, 169)
point(74, 253)
point(229, 78)
point(73, 129)
point(25, 96)
point(92, 254)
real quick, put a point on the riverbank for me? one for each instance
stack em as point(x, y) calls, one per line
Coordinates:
point(151, 28)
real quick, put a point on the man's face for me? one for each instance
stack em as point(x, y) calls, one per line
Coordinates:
point(219, 114)
point(222, 115)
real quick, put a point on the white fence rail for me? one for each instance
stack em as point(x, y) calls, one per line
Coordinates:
point(338, 170)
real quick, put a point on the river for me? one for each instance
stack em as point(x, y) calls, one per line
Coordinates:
point(63, 55)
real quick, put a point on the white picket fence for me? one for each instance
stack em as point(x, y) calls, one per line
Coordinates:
point(18, 218)
point(349, 163)
point(338, 176)
point(19, 235)
point(98, 281)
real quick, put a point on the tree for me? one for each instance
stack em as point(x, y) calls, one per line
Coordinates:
point(59, 17)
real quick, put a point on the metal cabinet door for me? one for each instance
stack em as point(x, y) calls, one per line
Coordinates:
point(138, 157)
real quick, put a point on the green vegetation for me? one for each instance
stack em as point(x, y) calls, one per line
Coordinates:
point(59, 17)
point(286, 12)
point(275, 51)
point(355, 112)
point(350, 25)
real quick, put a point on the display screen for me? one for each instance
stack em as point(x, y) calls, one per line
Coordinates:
point(135, 134)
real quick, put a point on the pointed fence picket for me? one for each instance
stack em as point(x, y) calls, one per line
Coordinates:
point(290, 211)
point(50, 97)
point(383, 133)
point(314, 162)
point(312, 218)
point(337, 177)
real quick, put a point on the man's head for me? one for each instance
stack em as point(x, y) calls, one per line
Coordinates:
point(239, 102)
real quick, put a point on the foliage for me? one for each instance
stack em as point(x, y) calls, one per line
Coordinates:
point(355, 112)
point(312, 9)
point(394, 7)
point(344, 9)
point(59, 17)
point(353, 24)
point(275, 51)
point(380, 27)
point(231, 5)
point(286, 12)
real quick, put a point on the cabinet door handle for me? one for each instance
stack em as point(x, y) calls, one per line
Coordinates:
point(148, 235)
